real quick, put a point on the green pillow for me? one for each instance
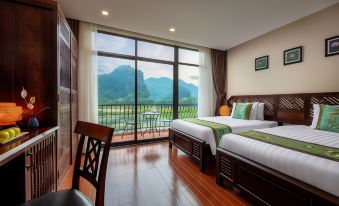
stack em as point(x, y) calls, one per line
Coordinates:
point(329, 118)
point(242, 111)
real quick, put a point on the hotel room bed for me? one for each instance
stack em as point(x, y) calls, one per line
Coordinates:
point(205, 133)
point(199, 142)
point(285, 176)
point(282, 108)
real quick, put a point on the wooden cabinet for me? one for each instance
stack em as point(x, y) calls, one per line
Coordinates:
point(40, 167)
point(39, 52)
point(28, 166)
point(68, 98)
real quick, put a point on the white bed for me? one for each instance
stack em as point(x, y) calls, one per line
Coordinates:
point(317, 171)
point(206, 134)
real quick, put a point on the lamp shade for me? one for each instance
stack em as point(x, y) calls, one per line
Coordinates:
point(9, 113)
point(225, 110)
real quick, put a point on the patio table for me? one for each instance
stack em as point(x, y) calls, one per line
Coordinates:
point(151, 122)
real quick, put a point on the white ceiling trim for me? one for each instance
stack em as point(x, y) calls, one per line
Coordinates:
point(219, 24)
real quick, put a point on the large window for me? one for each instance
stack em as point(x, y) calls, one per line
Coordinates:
point(143, 85)
point(188, 56)
point(188, 83)
point(115, 44)
point(155, 51)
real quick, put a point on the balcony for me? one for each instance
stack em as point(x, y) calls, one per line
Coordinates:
point(121, 117)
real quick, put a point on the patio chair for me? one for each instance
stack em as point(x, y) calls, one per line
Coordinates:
point(166, 122)
point(129, 126)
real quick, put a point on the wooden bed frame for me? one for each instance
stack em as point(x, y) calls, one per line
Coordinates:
point(198, 149)
point(263, 184)
point(194, 147)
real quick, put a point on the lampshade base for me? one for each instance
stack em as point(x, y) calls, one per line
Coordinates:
point(33, 122)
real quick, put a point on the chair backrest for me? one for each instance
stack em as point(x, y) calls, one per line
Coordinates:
point(88, 167)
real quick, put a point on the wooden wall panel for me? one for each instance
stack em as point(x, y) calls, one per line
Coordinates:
point(29, 56)
point(74, 25)
point(65, 64)
point(7, 49)
point(64, 147)
point(65, 116)
point(74, 95)
point(35, 53)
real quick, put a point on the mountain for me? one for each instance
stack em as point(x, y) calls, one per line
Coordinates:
point(118, 87)
point(162, 89)
point(190, 87)
point(159, 88)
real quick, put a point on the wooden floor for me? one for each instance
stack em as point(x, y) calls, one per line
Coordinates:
point(128, 136)
point(155, 175)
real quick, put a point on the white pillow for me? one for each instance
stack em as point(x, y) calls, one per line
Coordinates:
point(233, 109)
point(316, 113)
point(260, 114)
point(254, 111)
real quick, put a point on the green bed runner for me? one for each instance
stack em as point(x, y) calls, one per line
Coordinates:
point(300, 146)
point(218, 129)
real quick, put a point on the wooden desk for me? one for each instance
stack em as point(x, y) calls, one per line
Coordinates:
point(28, 166)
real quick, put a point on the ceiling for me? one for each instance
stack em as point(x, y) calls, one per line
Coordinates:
point(219, 24)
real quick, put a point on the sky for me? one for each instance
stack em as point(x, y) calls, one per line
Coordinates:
point(126, 46)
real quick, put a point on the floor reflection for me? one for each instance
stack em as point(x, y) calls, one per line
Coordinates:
point(153, 174)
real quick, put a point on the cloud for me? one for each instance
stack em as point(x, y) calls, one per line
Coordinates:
point(155, 70)
point(189, 74)
point(155, 51)
point(188, 56)
point(108, 64)
point(115, 44)
point(110, 43)
point(194, 77)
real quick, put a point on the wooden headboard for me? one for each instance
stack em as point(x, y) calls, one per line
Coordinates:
point(289, 108)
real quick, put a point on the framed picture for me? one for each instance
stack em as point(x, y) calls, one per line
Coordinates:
point(292, 56)
point(261, 63)
point(332, 46)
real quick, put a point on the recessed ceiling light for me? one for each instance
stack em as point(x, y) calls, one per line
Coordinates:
point(105, 13)
point(172, 29)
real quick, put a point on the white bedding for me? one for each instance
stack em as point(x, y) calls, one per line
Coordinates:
point(317, 171)
point(206, 134)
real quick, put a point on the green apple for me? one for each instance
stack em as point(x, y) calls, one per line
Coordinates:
point(4, 136)
point(11, 132)
point(16, 130)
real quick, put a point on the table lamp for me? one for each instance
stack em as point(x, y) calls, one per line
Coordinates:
point(9, 113)
point(225, 110)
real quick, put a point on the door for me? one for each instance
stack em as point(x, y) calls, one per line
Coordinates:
point(155, 99)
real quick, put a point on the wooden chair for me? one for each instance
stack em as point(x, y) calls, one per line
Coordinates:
point(87, 169)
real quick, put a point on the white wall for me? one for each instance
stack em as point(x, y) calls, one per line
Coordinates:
point(316, 73)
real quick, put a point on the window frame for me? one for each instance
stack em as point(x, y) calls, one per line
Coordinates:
point(175, 63)
point(136, 57)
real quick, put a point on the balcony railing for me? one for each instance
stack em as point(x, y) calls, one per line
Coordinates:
point(117, 115)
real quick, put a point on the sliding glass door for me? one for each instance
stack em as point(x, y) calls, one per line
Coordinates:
point(143, 86)
point(116, 96)
point(155, 99)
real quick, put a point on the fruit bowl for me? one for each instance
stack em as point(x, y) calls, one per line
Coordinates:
point(10, 134)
